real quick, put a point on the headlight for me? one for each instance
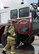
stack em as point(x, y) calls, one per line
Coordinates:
point(37, 8)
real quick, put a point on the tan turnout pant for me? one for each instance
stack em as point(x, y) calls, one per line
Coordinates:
point(10, 43)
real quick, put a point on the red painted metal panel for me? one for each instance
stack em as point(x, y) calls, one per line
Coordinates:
point(25, 22)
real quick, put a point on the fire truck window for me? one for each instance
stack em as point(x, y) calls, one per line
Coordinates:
point(24, 12)
point(13, 14)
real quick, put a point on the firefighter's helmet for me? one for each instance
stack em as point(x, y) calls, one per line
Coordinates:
point(14, 21)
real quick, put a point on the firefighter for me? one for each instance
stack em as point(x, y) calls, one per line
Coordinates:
point(10, 41)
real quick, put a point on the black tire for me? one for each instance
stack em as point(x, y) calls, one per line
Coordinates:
point(31, 39)
point(3, 40)
point(38, 35)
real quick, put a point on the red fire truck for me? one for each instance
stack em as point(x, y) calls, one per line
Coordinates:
point(27, 26)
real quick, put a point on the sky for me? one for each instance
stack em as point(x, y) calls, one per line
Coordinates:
point(31, 1)
point(7, 1)
point(21, 0)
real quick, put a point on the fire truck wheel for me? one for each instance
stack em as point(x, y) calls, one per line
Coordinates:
point(31, 39)
point(3, 40)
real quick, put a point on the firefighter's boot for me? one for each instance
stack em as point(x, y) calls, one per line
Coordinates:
point(4, 51)
point(13, 52)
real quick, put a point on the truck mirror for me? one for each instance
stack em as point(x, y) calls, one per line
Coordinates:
point(34, 15)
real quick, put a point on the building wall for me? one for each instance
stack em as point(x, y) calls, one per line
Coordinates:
point(0, 17)
point(5, 16)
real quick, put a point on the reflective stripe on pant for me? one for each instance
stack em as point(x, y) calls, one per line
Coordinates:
point(10, 43)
